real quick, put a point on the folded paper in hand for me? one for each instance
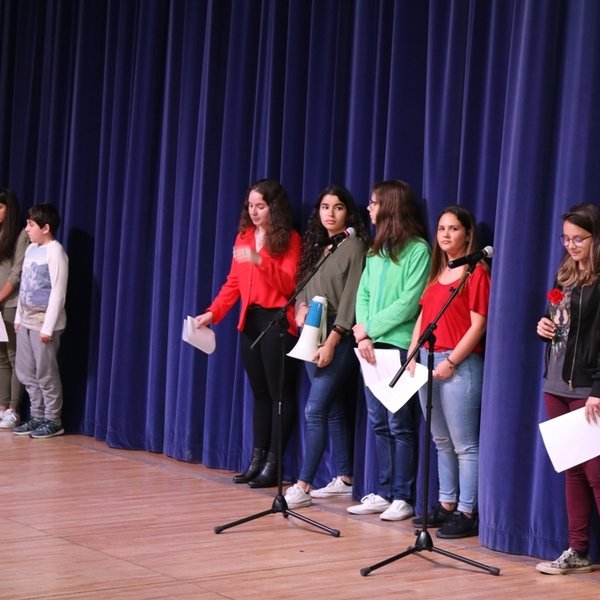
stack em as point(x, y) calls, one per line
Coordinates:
point(201, 337)
point(3, 334)
point(378, 377)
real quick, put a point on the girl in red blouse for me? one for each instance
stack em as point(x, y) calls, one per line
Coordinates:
point(263, 277)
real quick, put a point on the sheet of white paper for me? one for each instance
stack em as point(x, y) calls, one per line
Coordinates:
point(201, 337)
point(570, 439)
point(3, 334)
point(377, 378)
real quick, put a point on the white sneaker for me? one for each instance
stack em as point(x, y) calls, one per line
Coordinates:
point(398, 511)
point(369, 505)
point(296, 497)
point(336, 487)
point(9, 420)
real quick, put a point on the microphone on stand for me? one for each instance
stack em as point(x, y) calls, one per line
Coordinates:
point(471, 259)
point(337, 239)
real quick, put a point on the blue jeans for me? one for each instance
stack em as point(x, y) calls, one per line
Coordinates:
point(395, 445)
point(455, 412)
point(326, 411)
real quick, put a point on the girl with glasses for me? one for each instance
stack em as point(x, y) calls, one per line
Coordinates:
point(571, 330)
point(387, 306)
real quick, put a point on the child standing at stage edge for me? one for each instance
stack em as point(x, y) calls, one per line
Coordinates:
point(40, 321)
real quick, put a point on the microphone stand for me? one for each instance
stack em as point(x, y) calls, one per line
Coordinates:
point(423, 540)
point(279, 502)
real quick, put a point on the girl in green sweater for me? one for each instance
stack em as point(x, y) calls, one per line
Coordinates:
point(387, 306)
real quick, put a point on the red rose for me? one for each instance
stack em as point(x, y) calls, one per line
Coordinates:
point(555, 296)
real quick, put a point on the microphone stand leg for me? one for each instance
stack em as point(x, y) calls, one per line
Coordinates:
point(329, 530)
point(279, 506)
point(424, 542)
point(263, 513)
point(491, 570)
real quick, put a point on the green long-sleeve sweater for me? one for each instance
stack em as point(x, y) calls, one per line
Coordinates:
point(387, 302)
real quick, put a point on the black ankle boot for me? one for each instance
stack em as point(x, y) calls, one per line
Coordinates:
point(259, 456)
point(268, 476)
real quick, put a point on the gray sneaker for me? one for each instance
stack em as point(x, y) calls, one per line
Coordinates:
point(296, 497)
point(28, 427)
point(568, 562)
point(47, 429)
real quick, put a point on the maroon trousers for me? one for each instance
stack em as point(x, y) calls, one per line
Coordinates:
point(582, 482)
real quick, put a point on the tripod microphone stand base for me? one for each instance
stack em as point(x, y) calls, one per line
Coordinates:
point(424, 542)
point(279, 506)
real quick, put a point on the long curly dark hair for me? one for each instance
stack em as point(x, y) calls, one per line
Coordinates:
point(316, 236)
point(398, 219)
point(12, 225)
point(277, 240)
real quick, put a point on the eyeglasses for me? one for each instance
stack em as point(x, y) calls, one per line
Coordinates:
point(577, 240)
point(372, 203)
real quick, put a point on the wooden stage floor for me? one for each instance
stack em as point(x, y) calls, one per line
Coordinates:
point(81, 520)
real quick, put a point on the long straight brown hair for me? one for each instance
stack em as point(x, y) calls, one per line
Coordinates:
point(439, 260)
point(12, 225)
point(586, 216)
point(398, 218)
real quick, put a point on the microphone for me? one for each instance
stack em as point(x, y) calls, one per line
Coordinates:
point(338, 238)
point(472, 259)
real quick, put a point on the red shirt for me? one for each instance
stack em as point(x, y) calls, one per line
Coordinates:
point(268, 285)
point(475, 296)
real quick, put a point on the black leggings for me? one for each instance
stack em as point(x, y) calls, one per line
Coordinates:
point(263, 366)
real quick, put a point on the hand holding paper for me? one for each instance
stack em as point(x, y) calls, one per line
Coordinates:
point(377, 378)
point(3, 334)
point(570, 439)
point(200, 337)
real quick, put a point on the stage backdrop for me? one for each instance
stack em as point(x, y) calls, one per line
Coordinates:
point(146, 120)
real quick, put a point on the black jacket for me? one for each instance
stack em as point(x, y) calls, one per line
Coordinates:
point(582, 356)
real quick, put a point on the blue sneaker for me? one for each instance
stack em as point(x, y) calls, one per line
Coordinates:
point(28, 427)
point(47, 429)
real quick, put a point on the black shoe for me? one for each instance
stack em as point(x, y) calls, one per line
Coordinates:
point(259, 455)
point(268, 476)
point(459, 526)
point(437, 516)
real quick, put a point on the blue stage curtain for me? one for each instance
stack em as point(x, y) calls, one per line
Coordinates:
point(145, 122)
